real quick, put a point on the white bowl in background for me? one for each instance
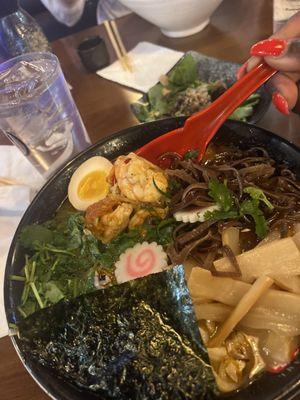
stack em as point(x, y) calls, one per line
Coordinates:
point(175, 18)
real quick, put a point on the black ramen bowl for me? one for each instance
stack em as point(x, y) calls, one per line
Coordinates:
point(285, 385)
point(212, 69)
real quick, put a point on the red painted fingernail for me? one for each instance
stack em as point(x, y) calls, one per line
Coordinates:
point(280, 103)
point(269, 47)
point(241, 71)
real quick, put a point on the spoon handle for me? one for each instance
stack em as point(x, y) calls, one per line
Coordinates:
point(207, 122)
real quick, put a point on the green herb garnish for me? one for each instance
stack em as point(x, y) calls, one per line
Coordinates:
point(153, 230)
point(191, 154)
point(63, 263)
point(221, 194)
point(166, 99)
point(173, 185)
point(66, 256)
point(251, 207)
point(184, 74)
point(33, 234)
point(229, 209)
point(246, 109)
point(258, 194)
point(221, 214)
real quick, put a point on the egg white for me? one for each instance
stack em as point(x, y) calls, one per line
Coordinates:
point(96, 163)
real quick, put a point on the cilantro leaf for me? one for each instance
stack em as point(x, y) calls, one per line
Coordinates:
point(241, 113)
point(153, 230)
point(75, 227)
point(173, 185)
point(220, 214)
point(52, 292)
point(258, 194)
point(228, 210)
point(63, 263)
point(246, 109)
point(33, 234)
point(221, 194)
point(191, 154)
point(252, 100)
point(251, 208)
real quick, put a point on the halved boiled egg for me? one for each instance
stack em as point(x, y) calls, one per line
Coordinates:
point(88, 184)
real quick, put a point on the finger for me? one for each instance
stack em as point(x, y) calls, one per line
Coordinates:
point(296, 109)
point(284, 92)
point(278, 53)
point(269, 47)
point(289, 61)
point(247, 66)
point(291, 29)
point(253, 62)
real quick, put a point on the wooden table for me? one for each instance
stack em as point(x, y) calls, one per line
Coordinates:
point(104, 107)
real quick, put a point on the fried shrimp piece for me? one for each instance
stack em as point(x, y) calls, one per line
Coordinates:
point(140, 216)
point(107, 218)
point(135, 177)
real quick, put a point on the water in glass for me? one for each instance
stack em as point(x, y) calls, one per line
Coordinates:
point(37, 111)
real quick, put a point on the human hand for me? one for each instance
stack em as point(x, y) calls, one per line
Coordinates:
point(282, 52)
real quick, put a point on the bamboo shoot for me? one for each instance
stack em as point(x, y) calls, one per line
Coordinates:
point(292, 284)
point(258, 318)
point(230, 291)
point(231, 238)
point(260, 286)
point(278, 258)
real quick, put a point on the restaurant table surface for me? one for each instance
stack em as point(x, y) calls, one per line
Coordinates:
point(104, 107)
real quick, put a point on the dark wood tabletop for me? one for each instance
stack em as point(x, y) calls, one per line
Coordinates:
point(104, 107)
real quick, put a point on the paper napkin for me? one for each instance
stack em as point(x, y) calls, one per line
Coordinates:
point(24, 181)
point(149, 61)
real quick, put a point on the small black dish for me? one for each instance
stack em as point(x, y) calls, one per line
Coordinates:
point(93, 53)
point(282, 386)
point(213, 69)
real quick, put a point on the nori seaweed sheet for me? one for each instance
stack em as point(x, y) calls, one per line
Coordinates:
point(138, 340)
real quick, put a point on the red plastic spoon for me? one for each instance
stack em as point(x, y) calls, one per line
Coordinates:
point(201, 127)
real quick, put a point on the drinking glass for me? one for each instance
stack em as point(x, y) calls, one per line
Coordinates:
point(38, 113)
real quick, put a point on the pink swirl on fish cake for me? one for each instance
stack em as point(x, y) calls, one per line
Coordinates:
point(142, 264)
point(140, 260)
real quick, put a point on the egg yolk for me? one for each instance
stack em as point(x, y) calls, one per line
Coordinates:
point(93, 185)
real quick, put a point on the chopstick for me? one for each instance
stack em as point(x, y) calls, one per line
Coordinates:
point(117, 43)
point(121, 44)
point(9, 181)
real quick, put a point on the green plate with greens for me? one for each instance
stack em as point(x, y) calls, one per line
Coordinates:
point(192, 84)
